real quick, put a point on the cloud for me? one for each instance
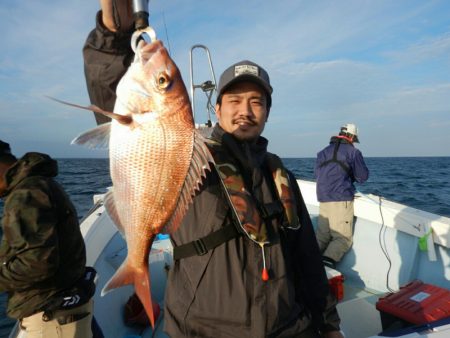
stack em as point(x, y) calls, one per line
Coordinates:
point(408, 102)
point(376, 63)
point(426, 50)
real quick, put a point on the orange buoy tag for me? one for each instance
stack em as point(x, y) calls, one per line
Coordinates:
point(265, 275)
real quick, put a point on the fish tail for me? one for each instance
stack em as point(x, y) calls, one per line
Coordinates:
point(123, 276)
point(140, 278)
point(142, 289)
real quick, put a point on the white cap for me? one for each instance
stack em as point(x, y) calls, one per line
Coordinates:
point(350, 128)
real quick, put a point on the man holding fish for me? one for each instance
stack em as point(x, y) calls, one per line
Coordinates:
point(246, 261)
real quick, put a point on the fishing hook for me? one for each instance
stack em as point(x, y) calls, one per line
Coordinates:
point(137, 34)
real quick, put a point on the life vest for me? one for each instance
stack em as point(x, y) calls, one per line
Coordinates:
point(250, 216)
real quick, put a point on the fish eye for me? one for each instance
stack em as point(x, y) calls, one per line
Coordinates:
point(163, 81)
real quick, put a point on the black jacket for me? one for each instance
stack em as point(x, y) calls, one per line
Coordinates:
point(106, 56)
point(222, 294)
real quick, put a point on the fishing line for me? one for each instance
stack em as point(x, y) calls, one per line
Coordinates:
point(383, 246)
point(382, 239)
point(398, 216)
point(382, 235)
point(167, 34)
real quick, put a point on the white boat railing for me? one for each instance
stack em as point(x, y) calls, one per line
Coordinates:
point(412, 221)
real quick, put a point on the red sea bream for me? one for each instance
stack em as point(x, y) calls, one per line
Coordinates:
point(157, 160)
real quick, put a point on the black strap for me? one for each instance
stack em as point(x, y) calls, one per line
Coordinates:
point(202, 245)
point(335, 160)
point(63, 320)
point(77, 295)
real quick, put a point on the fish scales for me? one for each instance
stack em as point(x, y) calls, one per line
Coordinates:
point(152, 177)
point(157, 161)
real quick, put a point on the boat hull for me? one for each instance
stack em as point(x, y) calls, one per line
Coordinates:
point(385, 255)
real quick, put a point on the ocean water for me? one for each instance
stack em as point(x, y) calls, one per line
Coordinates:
point(419, 182)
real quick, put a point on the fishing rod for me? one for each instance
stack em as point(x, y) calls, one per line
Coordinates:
point(140, 13)
point(141, 23)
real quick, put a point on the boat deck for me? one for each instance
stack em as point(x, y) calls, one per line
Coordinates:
point(363, 267)
point(366, 321)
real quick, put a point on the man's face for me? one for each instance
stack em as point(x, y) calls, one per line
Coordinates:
point(243, 111)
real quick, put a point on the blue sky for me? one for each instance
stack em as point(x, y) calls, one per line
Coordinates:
point(383, 65)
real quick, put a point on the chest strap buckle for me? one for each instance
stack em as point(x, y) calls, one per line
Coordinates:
point(200, 247)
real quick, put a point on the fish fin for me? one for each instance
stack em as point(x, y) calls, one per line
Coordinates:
point(122, 119)
point(111, 209)
point(210, 141)
point(97, 138)
point(142, 289)
point(140, 278)
point(125, 275)
point(200, 163)
point(201, 157)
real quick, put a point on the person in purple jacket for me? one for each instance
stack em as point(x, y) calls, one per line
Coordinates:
point(337, 167)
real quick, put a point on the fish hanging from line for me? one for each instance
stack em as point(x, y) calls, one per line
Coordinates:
point(157, 160)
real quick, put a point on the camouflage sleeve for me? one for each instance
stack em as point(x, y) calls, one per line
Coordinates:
point(29, 235)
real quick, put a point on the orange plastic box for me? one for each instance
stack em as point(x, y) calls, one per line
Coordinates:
point(416, 303)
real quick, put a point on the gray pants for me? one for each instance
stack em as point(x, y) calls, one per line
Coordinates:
point(335, 228)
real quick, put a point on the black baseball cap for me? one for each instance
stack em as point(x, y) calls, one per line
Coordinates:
point(5, 149)
point(245, 71)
